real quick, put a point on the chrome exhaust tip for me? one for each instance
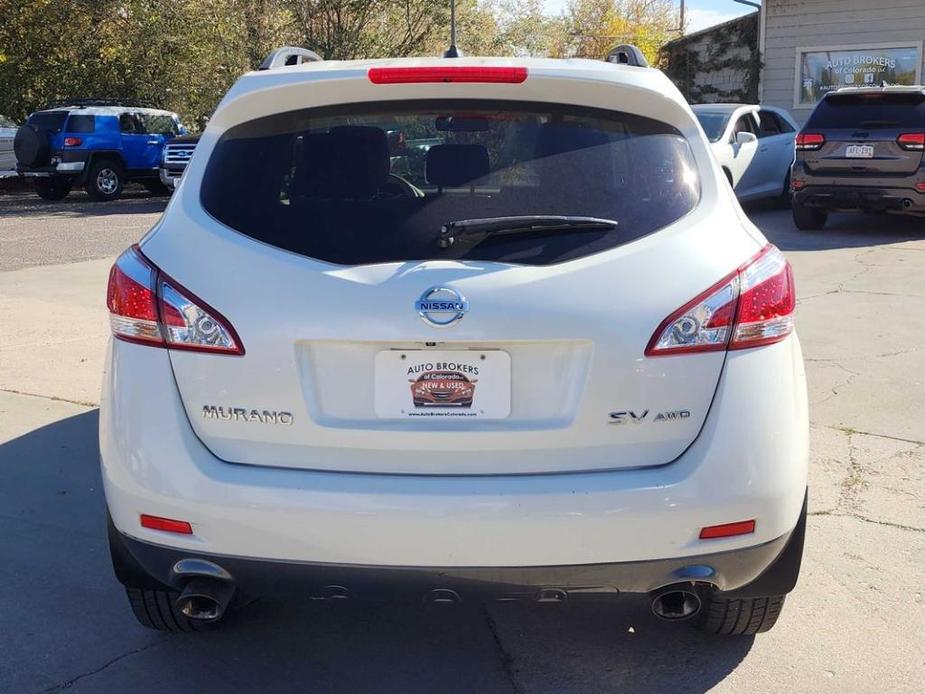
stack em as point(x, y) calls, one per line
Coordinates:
point(205, 599)
point(675, 603)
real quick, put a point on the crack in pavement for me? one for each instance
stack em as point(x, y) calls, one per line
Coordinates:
point(55, 398)
point(507, 660)
point(68, 683)
point(853, 483)
point(849, 431)
point(864, 519)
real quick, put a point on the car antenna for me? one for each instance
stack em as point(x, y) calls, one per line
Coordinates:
point(452, 51)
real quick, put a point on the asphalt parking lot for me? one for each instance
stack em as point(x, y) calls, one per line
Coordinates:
point(856, 622)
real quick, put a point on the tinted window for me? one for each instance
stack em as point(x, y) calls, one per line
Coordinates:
point(49, 120)
point(78, 123)
point(159, 124)
point(782, 123)
point(745, 124)
point(713, 123)
point(373, 183)
point(768, 125)
point(870, 111)
point(129, 123)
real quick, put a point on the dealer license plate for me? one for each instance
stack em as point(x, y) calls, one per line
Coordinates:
point(436, 385)
point(859, 151)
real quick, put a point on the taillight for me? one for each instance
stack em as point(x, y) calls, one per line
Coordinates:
point(914, 142)
point(168, 525)
point(417, 75)
point(751, 307)
point(809, 141)
point(148, 307)
point(727, 530)
point(72, 142)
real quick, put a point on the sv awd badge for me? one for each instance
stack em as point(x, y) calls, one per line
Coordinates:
point(631, 416)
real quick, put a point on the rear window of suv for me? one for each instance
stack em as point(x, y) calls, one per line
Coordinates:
point(373, 183)
point(870, 111)
point(52, 121)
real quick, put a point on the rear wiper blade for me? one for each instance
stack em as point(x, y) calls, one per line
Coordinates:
point(521, 224)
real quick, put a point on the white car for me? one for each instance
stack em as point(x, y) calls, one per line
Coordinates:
point(551, 360)
point(754, 146)
point(7, 156)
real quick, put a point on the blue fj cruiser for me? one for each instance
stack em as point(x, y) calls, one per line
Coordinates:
point(99, 145)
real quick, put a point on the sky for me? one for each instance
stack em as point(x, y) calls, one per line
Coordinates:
point(700, 13)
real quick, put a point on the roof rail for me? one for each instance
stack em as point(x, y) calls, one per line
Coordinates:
point(84, 103)
point(627, 54)
point(289, 55)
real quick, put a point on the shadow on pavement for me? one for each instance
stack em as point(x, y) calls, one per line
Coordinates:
point(25, 203)
point(841, 230)
point(66, 623)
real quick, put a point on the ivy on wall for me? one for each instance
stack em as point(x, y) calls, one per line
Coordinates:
point(692, 63)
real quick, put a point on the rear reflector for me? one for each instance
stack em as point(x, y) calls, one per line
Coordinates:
point(168, 525)
point(750, 307)
point(72, 142)
point(920, 187)
point(418, 75)
point(914, 142)
point(809, 141)
point(147, 307)
point(728, 530)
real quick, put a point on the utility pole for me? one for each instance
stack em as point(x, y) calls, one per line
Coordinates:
point(681, 28)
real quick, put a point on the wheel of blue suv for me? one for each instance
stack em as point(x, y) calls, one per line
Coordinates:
point(157, 609)
point(105, 180)
point(52, 188)
point(738, 616)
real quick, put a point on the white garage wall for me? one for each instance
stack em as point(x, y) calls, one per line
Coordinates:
point(844, 24)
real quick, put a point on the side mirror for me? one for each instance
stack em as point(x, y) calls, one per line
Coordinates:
point(743, 138)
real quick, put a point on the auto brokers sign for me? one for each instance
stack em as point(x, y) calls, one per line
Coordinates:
point(822, 70)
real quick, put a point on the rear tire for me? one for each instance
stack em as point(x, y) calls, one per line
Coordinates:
point(738, 616)
point(52, 188)
point(105, 180)
point(808, 218)
point(156, 609)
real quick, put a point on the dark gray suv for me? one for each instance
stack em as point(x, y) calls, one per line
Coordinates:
point(861, 150)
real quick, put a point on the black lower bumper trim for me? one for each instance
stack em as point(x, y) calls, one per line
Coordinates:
point(139, 562)
point(901, 200)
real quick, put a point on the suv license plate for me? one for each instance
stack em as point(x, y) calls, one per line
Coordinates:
point(436, 385)
point(859, 151)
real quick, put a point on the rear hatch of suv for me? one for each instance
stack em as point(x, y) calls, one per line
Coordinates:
point(875, 134)
point(376, 341)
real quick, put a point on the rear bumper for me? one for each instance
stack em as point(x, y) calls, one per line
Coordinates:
point(68, 163)
point(742, 466)
point(861, 198)
point(139, 562)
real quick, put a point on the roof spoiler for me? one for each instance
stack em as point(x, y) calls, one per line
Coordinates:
point(289, 55)
point(627, 54)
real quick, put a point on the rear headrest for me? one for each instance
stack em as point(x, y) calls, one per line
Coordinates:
point(347, 162)
point(456, 165)
point(559, 138)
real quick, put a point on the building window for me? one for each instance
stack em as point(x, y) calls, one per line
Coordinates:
point(821, 70)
